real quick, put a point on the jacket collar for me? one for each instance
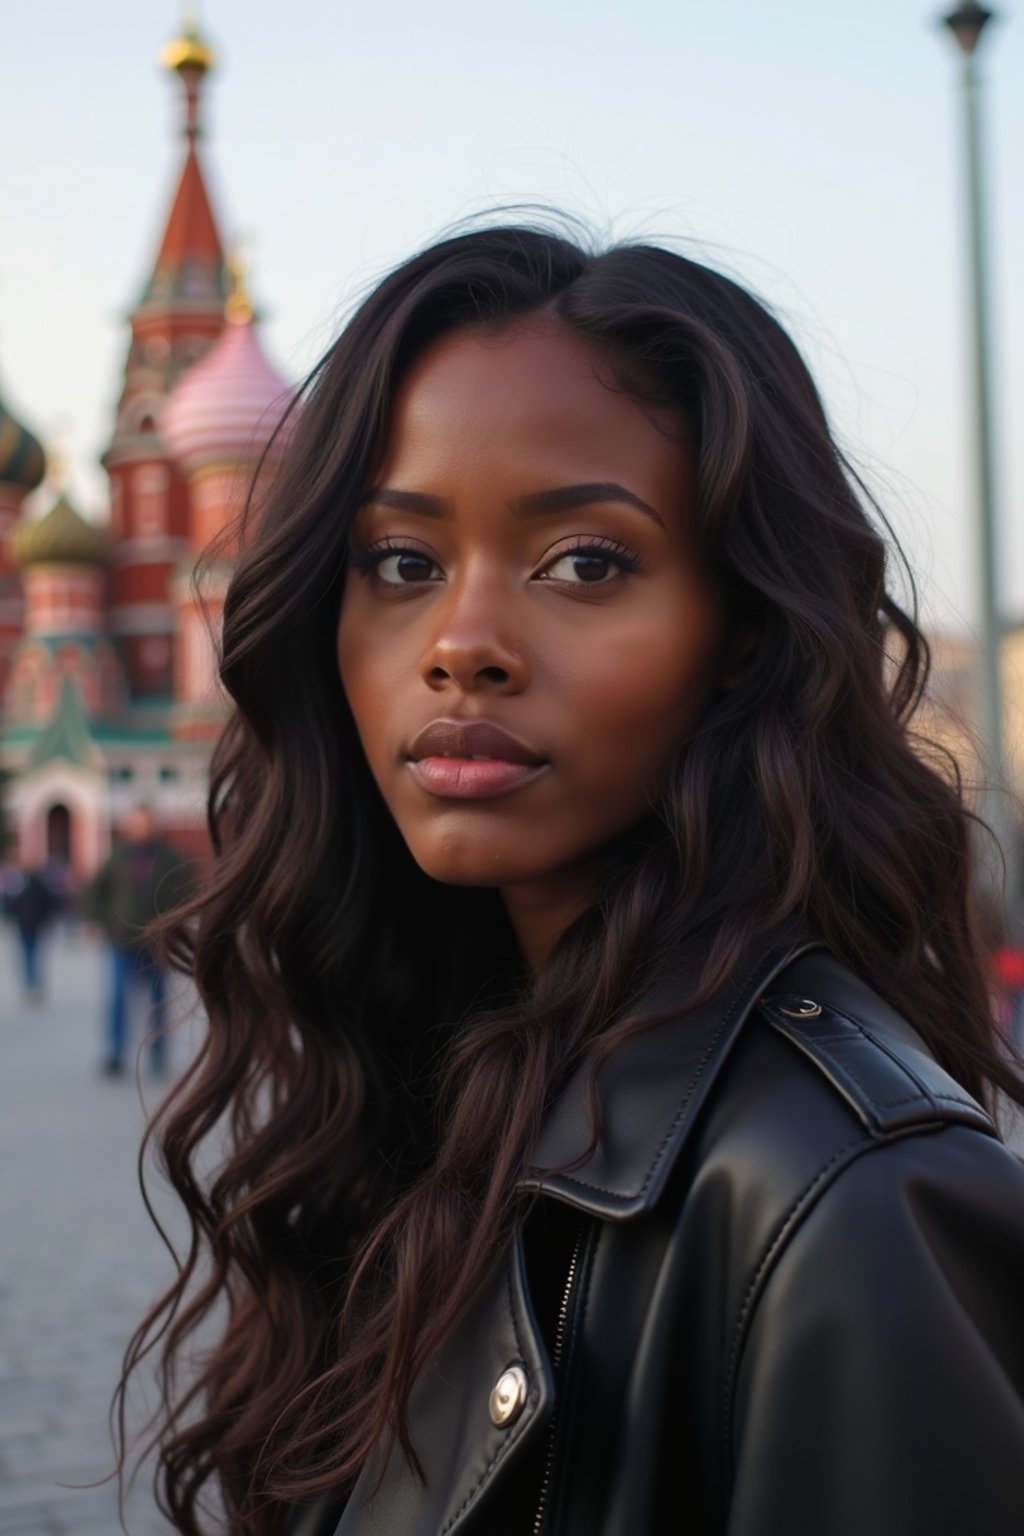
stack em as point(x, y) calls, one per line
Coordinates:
point(651, 1090)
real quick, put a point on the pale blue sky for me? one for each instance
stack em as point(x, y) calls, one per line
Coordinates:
point(811, 149)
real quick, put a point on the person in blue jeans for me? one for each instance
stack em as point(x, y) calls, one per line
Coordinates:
point(144, 877)
point(136, 965)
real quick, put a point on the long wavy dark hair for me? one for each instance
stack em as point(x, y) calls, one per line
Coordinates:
point(369, 1093)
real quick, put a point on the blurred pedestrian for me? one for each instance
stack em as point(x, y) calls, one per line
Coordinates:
point(32, 904)
point(1008, 970)
point(144, 877)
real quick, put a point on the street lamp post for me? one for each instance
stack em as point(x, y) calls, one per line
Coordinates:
point(967, 23)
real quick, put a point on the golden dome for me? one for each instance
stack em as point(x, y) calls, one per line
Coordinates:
point(62, 537)
point(190, 51)
point(238, 310)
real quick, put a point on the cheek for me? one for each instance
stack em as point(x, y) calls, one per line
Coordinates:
point(638, 697)
point(360, 667)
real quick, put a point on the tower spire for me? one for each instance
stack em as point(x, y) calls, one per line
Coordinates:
point(189, 271)
point(191, 58)
point(177, 317)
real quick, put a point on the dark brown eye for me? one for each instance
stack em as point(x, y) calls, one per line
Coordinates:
point(591, 567)
point(583, 567)
point(595, 563)
point(405, 568)
point(414, 567)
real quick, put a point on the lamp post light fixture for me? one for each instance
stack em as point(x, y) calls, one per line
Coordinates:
point(967, 23)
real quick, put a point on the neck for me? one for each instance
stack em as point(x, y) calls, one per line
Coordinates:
point(540, 911)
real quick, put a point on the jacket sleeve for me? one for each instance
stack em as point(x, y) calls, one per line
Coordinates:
point(94, 898)
point(881, 1386)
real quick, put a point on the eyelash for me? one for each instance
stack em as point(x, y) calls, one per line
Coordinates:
point(367, 560)
point(619, 554)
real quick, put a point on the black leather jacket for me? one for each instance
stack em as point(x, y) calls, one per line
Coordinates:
point(783, 1297)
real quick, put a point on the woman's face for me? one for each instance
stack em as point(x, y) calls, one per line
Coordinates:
point(527, 631)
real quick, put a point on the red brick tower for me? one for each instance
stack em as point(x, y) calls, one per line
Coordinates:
point(65, 695)
point(63, 559)
point(178, 317)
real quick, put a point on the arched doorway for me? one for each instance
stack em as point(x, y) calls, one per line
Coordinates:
point(58, 834)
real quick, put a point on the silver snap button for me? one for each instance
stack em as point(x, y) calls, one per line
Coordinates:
point(802, 1008)
point(508, 1397)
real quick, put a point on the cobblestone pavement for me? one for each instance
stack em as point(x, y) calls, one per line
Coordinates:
point(79, 1258)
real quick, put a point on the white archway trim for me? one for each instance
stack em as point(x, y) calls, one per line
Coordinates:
point(30, 797)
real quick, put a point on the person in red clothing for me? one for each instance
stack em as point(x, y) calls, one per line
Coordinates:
point(1008, 971)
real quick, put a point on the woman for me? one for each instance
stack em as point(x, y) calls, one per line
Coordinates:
point(597, 1011)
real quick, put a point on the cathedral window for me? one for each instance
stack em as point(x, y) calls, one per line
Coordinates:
point(155, 653)
point(193, 280)
point(192, 349)
point(149, 488)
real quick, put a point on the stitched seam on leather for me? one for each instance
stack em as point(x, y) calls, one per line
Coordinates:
point(743, 991)
point(776, 1243)
point(513, 1434)
point(924, 1096)
point(923, 1089)
point(953, 1098)
point(844, 1070)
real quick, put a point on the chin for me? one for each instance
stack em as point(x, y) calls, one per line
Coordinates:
point(474, 863)
point(474, 871)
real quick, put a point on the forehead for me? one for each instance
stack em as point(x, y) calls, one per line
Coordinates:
point(533, 391)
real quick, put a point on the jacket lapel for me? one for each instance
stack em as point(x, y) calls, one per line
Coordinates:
point(651, 1090)
point(461, 1450)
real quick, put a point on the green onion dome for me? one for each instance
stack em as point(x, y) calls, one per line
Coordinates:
point(22, 461)
point(62, 537)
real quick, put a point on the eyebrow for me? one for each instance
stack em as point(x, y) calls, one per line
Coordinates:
point(561, 498)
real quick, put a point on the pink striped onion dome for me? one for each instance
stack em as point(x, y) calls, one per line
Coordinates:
point(225, 409)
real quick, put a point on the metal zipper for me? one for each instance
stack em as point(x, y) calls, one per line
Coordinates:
point(556, 1361)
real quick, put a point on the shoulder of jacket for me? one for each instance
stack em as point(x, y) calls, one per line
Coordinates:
point(866, 1051)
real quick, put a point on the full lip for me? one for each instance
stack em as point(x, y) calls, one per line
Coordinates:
point(467, 739)
point(471, 760)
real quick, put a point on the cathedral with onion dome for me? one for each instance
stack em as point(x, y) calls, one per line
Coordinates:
point(108, 633)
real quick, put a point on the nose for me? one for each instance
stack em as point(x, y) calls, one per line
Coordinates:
point(471, 645)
